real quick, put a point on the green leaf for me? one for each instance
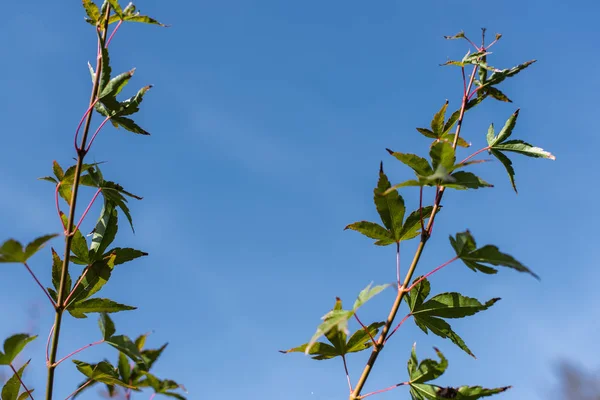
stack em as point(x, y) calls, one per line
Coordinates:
point(96, 276)
point(418, 294)
point(412, 225)
point(12, 387)
point(57, 265)
point(131, 105)
point(459, 35)
point(427, 133)
point(105, 231)
point(477, 392)
point(418, 164)
point(508, 165)
point(501, 75)
point(474, 258)
point(115, 85)
point(451, 121)
point(13, 346)
point(58, 171)
point(412, 361)
point(506, 130)
point(336, 336)
point(129, 125)
point(151, 355)
point(102, 372)
point(92, 11)
point(498, 95)
point(13, 251)
point(437, 123)
point(367, 294)
point(428, 369)
point(107, 326)
point(79, 245)
point(442, 329)
point(124, 368)
point(526, 149)
point(337, 319)
point(373, 231)
point(116, 7)
point(97, 305)
point(318, 350)
point(451, 305)
point(442, 154)
point(466, 180)
point(126, 346)
point(123, 255)
point(389, 206)
point(361, 340)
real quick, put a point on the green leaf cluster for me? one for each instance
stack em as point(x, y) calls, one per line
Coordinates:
point(422, 373)
point(441, 130)
point(135, 375)
point(339, 344)
point(12, 251)
point(443, 170)
point(96, 16)
point(391, 209)
point(475, 258)
point(429, 314)
point(12, 388)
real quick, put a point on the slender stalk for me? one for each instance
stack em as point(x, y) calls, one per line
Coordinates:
point(347, 373)
point(40, 284)
point(398, 326)
point(21, 381)
point(398, 264)
point(87, 210)
point(60, 306)
point(79, 389)
point(474, 154)
point(355, 395)
point(365, 329)
point(78, 350)
point(384, 390)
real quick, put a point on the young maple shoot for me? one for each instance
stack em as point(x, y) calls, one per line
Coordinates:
point(96, 260)
point(442, 172)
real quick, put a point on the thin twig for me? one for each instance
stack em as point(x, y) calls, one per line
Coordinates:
point(347, 374)
point(384, 390)
point(397, 327)
point(87, 210)
point(78, 350)
point(58, 205)
point(398, 265)
point(474, 154)
point(48, 345)
point(427, 275)
point(79, 389)
point(40, 284)
point(21, 381)
point(83, 118)
point(113, 33)
point(85, 271)
point(87, 149)
point(366, 329)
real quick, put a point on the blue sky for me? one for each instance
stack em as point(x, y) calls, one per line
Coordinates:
point(268, 121)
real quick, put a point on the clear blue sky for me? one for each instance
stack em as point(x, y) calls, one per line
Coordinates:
point(268, 121)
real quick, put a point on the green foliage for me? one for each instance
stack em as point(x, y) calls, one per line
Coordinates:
point(13, 251)
point(12, 387)
point(441, 171)
point(421, 373)
point(391, 209)
point(13, 346)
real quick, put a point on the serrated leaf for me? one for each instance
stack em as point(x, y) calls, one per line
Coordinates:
point(79, 245)
point(418, 164)
point(116, 7)
point(499, 76)
point(92, 11)
point(437, 123)
point(412, 225)
point(506, 130)
point(115, 85)
point(361, 340)
point(96, 276)
point(508, 165)
point(459, 35)
point(465, 247)
point(373, 231)
point(498, 95)
point(337, 319)
point(124, 367)
point(105, 231)
point(442, 154)
point(524, 148)
point(413, 362)
point(12, 387)
point(123, 255)
point(13, 346)
point(368, 293)
point(129, 125)
point(106, 325)
point(58, 171)
point(429, 370)
point(427, 133)
point(466, 180)
point(451, 121)
point(389, 206)
point(451, 305)
point(418, 294)
point(151, 355)
point(442, 329)
point(102, 372)
point(126, 346)
point(477, 392)
point(57, 265)
point(13, 251)
point(97, 305)
point(318, 351)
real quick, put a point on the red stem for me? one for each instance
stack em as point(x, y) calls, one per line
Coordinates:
point(48, 345)
point(365, 328)
point(58, 206)
point(21, 381)
point(384, 390)
point(81, 123)
point(75, 286)
point(464, 82)
point(78, 350)
point(427, 275)
point(79, 389)
point(96, 133)
point(153, 395)
point(87, 210)
point(347, 374)
point(421, 209)
point(474, 154)
point(397, 327)
point(40, 285)
point(398, 264)
point(113, 33)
